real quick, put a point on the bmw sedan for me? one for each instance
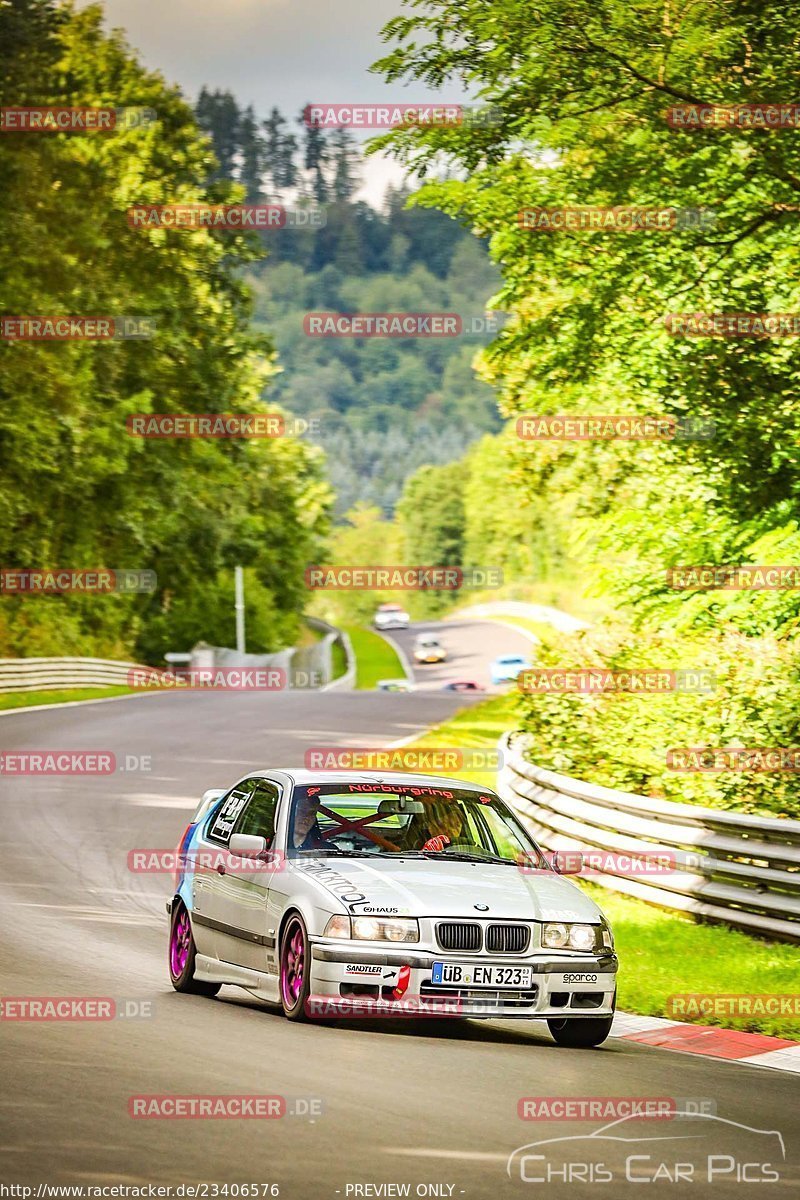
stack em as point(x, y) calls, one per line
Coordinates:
point(336, 893)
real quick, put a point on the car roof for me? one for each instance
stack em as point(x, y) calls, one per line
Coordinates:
point(302, 776)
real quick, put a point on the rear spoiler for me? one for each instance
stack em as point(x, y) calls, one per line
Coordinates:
point(207, 802)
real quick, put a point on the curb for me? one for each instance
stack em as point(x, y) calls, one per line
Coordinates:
point(710, 1041)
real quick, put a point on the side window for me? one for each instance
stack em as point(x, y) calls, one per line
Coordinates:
point(259, 816)
point(227, 816)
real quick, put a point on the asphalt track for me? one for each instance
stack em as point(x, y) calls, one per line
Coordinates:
point(470, 646)
point(392, 1103)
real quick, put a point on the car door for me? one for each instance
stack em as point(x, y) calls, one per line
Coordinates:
point(234, 895)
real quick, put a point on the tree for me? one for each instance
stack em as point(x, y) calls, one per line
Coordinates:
point(316, 155)
point(577, 99)
point(430, 517)
point(251, 146)
point(218, 113)
point(78, 491)
point(345, 160)
point(280, 148)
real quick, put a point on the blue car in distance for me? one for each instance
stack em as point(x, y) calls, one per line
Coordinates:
point(507, 667)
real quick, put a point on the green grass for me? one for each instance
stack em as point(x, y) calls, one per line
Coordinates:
point(661, 953)
point(26, 699)
point(664, 954)
point(338, 659)
point(375, 658)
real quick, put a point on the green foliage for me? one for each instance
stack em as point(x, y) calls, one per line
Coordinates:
point(375, 658)
point(578, 95)
point(385, 406)
point(77, 490)
point(622, 740)
point(364, 540)
point(430, 517)
point(663, 954)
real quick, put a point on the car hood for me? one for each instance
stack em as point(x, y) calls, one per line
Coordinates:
point(425, 888)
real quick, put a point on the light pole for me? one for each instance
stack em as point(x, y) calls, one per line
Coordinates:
point(238, 575)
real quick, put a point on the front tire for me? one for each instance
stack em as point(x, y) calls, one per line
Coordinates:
point(295, 969)
point(182, 955)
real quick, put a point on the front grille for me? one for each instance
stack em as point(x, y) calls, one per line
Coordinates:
point(459, 935)
point(507, 939)
point(476, 999)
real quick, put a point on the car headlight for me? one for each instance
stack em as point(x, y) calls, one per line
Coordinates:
point(558, 935)
point(338, 926)
point(398, 929)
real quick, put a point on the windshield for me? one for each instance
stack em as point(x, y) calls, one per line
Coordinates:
point(410, 821)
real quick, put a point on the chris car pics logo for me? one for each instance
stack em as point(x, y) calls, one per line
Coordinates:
point(697, 1147)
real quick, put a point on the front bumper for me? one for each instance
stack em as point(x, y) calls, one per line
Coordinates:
point(562, 985)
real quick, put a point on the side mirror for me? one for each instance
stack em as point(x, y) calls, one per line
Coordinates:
point(568, 862)
point(248, 845)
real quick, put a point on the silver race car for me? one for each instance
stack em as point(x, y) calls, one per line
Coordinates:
point(337, 893)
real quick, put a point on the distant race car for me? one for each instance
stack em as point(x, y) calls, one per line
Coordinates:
point(394, 685)
point(506, 668)
point(463, 685)
point(325, 891)
point(391, 616)
point(428, 649)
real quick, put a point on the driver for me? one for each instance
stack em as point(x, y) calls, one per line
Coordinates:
point(445, 826)
point(307, 834)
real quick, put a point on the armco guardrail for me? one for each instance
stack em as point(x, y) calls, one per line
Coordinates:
point(740, 869)
point(44, 674)
point(321, 655)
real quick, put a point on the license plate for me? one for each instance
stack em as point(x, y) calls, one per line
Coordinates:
point(477, 975)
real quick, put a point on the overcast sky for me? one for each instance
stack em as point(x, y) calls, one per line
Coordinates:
point(270, 52)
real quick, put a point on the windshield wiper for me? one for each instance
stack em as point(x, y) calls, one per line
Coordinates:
point(462, 856)
point(341, 850)
point(457, 856)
